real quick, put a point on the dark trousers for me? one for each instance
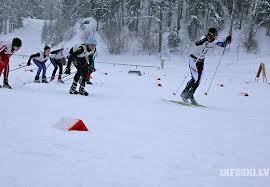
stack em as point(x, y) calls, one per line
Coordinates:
point(82, 71)
point(41, 67)
point(56, 64)
point(192, 85)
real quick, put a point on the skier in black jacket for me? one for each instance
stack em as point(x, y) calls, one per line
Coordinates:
point(80, 58)
point(56, 59)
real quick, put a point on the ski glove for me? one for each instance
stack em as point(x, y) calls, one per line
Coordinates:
point(229, 39)
point(28, 63)
point(67, 71)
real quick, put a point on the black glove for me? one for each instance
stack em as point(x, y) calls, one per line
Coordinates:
point(28, 63)
point(67, 70)
point(229, 39)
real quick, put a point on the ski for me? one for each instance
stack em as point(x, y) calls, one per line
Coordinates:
point(185, 104)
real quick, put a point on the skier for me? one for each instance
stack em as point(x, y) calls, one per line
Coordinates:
point(56, 59)
point(196, 62)
point(40, 60)
point(80, 57)
point(6, 51)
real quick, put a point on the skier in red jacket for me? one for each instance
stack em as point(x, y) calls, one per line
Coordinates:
point(6, 51)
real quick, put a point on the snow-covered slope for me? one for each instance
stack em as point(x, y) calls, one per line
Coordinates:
point(136, 139)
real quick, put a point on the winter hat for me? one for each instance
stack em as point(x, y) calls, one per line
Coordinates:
point(46, 47)
point(16, 42)
point(91, 41)
point(213, 31)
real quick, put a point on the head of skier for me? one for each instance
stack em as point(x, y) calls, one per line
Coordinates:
point(91, 43)
point(16, 44)
point(47, 50)
point(212, 34)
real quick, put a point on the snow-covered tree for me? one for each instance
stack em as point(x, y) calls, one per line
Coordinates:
point(174, 40)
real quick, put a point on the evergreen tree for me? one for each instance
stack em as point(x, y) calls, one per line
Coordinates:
point(174, 40)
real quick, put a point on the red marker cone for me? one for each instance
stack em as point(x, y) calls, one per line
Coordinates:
point(71, 124)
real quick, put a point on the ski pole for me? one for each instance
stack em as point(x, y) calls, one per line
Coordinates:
point(68, 79)
point(21, 55)
point(48, 65)
point(206, 93)
point(34, 81)
point(31, 70)
point(17, 68)
point(69, 75)
point(174, 93)
point(25, 83)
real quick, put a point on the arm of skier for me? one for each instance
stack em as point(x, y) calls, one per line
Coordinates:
point(32, 56)
point(201, 41)
point(92, 63)
point(71, 57)
point(56, 51)
point(3, 48)
point(225, 43)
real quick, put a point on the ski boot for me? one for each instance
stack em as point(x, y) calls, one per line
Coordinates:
point(75, 92)
point(73, 88)
point(184, 96)
point(52, 78)
point(44, 80)
point(82, 91)
point(6, 85)
point(192, 99)
point(37, 79)
point(60, 81)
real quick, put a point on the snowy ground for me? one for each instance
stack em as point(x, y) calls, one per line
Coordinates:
point(136, 139)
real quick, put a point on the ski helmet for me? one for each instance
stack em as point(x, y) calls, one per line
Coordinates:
point(91, 41)
point(213, 31)
point(16, 42)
